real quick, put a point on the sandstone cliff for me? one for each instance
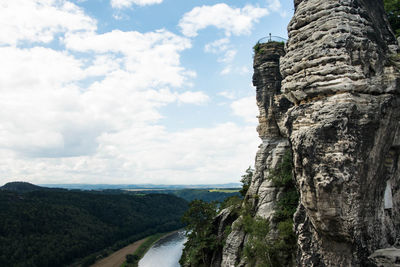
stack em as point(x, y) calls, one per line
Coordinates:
point(340, 70)
point(263, 194)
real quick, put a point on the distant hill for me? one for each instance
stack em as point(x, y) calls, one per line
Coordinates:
point(187, 194)
point(58, 227)
point(140, 186)
point(21, 187)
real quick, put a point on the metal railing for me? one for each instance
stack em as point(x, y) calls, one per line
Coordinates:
point(271, 38)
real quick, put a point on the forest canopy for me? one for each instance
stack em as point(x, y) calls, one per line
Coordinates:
point(392, 8)
point(57, 227)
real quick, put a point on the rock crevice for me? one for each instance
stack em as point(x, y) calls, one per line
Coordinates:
point(344, 130)
point(332, 97)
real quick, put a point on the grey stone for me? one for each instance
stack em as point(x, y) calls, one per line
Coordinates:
point(389, 257)
point(341, 71)
point(262, 195)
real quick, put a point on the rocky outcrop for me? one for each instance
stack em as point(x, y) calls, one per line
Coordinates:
point(223, 220)
point(341, 71)
point(338, 46)
point(389, 257)
point(262, 194)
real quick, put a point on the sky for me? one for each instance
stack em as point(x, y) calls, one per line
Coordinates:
point(130, 91)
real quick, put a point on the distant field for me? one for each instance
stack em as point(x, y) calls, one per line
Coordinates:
point(146, 189)
point(225, 190)
point(206, 194)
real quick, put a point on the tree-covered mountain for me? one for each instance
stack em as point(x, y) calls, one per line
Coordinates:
point(207, 195)
point(22, 187)
point(57, 227)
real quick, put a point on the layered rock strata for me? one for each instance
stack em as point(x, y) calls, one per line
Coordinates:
point(262, 194)
point(341, 71)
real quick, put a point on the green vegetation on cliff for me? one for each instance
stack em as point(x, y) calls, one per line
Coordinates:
point(202, 239)
point(392, 8)
point(57, 227)
point(261, 249)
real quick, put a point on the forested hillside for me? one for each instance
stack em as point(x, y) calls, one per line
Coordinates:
point(57, 227)
point(207, 195)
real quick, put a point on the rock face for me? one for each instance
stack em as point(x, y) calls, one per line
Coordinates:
point(225, 218)
point(341, 71)
point(338, 46)
point(389, 257)
point(262, 194)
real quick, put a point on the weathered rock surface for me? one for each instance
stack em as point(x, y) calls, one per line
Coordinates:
point(389, 257)
point(262, 194)
point(338, 46)
point(340, 70)
point(225, 218)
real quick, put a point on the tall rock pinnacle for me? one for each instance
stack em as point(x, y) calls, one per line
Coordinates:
point(341, 71)
point(332, 97)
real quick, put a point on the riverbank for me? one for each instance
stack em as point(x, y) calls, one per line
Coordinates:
point(138, 254)
point(118, 258)
point(166, 252)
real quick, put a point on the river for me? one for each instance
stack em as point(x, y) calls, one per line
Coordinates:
point(165, 252)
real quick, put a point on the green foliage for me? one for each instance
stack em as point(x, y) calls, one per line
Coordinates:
point(233, 202)
point(392, 8)
point(258, 48)
point(246, 180)
point(281, 176)
point(55, 228)
point(198, 215)
point(201, 237)
point(287, 205)
point(257, 248)
point(192, 194)
point(88, 261)
point(204, 194)
point(130, 258)
point(279, 251)
point(262, 248)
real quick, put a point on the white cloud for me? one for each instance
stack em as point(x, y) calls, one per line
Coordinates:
point(40, 20)
point(227, 94)
point(246, 108)
point(118, 15)
point(25, 70)
point(193, 98)
point(230, 69)
point(284, 13)
point(92, 112)
point(149, 153)
point(217, 46)
point(149, 59)
point(235, 21)
point(274, 5)
point(222, 48)
point(244, 70)
point(129, 3)
point(227, 70)
point(229, 56)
